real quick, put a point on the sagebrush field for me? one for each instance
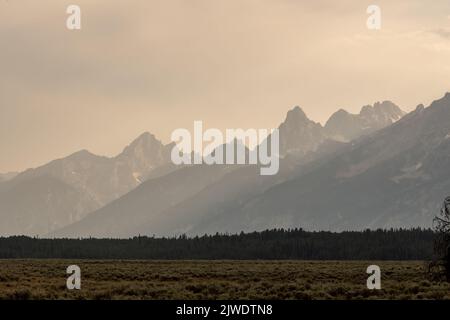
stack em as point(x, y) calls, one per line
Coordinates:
point(46, 279)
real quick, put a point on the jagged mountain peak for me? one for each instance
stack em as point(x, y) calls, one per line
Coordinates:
point(143, 155)
point(344, 126)
point(296, 115)
point(342, 111)
point(82, 154)
point(89, 182)
point(387, 107)
point(146, 139)
point(145, 152)
point(340, 114)
point(299, 134)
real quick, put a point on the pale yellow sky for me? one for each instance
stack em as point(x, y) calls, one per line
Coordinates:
point(147, 65)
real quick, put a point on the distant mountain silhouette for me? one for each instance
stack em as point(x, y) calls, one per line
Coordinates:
point(90, 182)
point(396, 177)
point(298, 134)
point(41, 204)
point(344, 126)
point(393, 172)
point(226, 203)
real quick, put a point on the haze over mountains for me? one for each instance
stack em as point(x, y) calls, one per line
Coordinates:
point(149, 212)
point(375, 169)
point(63, 191)
point(300, 135)
point(7, 176)
point(344, 126)
point(396, 177)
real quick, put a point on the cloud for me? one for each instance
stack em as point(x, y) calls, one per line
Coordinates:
point(443, 33)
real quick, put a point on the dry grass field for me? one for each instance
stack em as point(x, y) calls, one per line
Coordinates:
point(46, 279)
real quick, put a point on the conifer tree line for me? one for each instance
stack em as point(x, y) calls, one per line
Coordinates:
point(392, 244)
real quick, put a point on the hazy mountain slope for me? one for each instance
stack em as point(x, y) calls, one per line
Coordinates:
point(206, 210)
point(81, 170)
point(145, 211)
point(396, 177)
point(40, 204)
point(102, 180)
point(7, 176)
point(105, 179)
point(143, 156)
point(94, 181)
point(344, 126)
point(125, 216)
point(122, 217)
point(298, 134)
point(302, 139)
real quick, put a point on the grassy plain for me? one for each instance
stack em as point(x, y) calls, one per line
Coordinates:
point(46, 279)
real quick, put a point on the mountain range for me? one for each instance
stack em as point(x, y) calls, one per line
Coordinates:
point(148, 210)
point(63, 191)
point(344, 126)
point(378, 168)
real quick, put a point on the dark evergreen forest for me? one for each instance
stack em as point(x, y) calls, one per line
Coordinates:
point(393, 244)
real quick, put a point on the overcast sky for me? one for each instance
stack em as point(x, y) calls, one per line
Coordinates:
point(146, 65)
